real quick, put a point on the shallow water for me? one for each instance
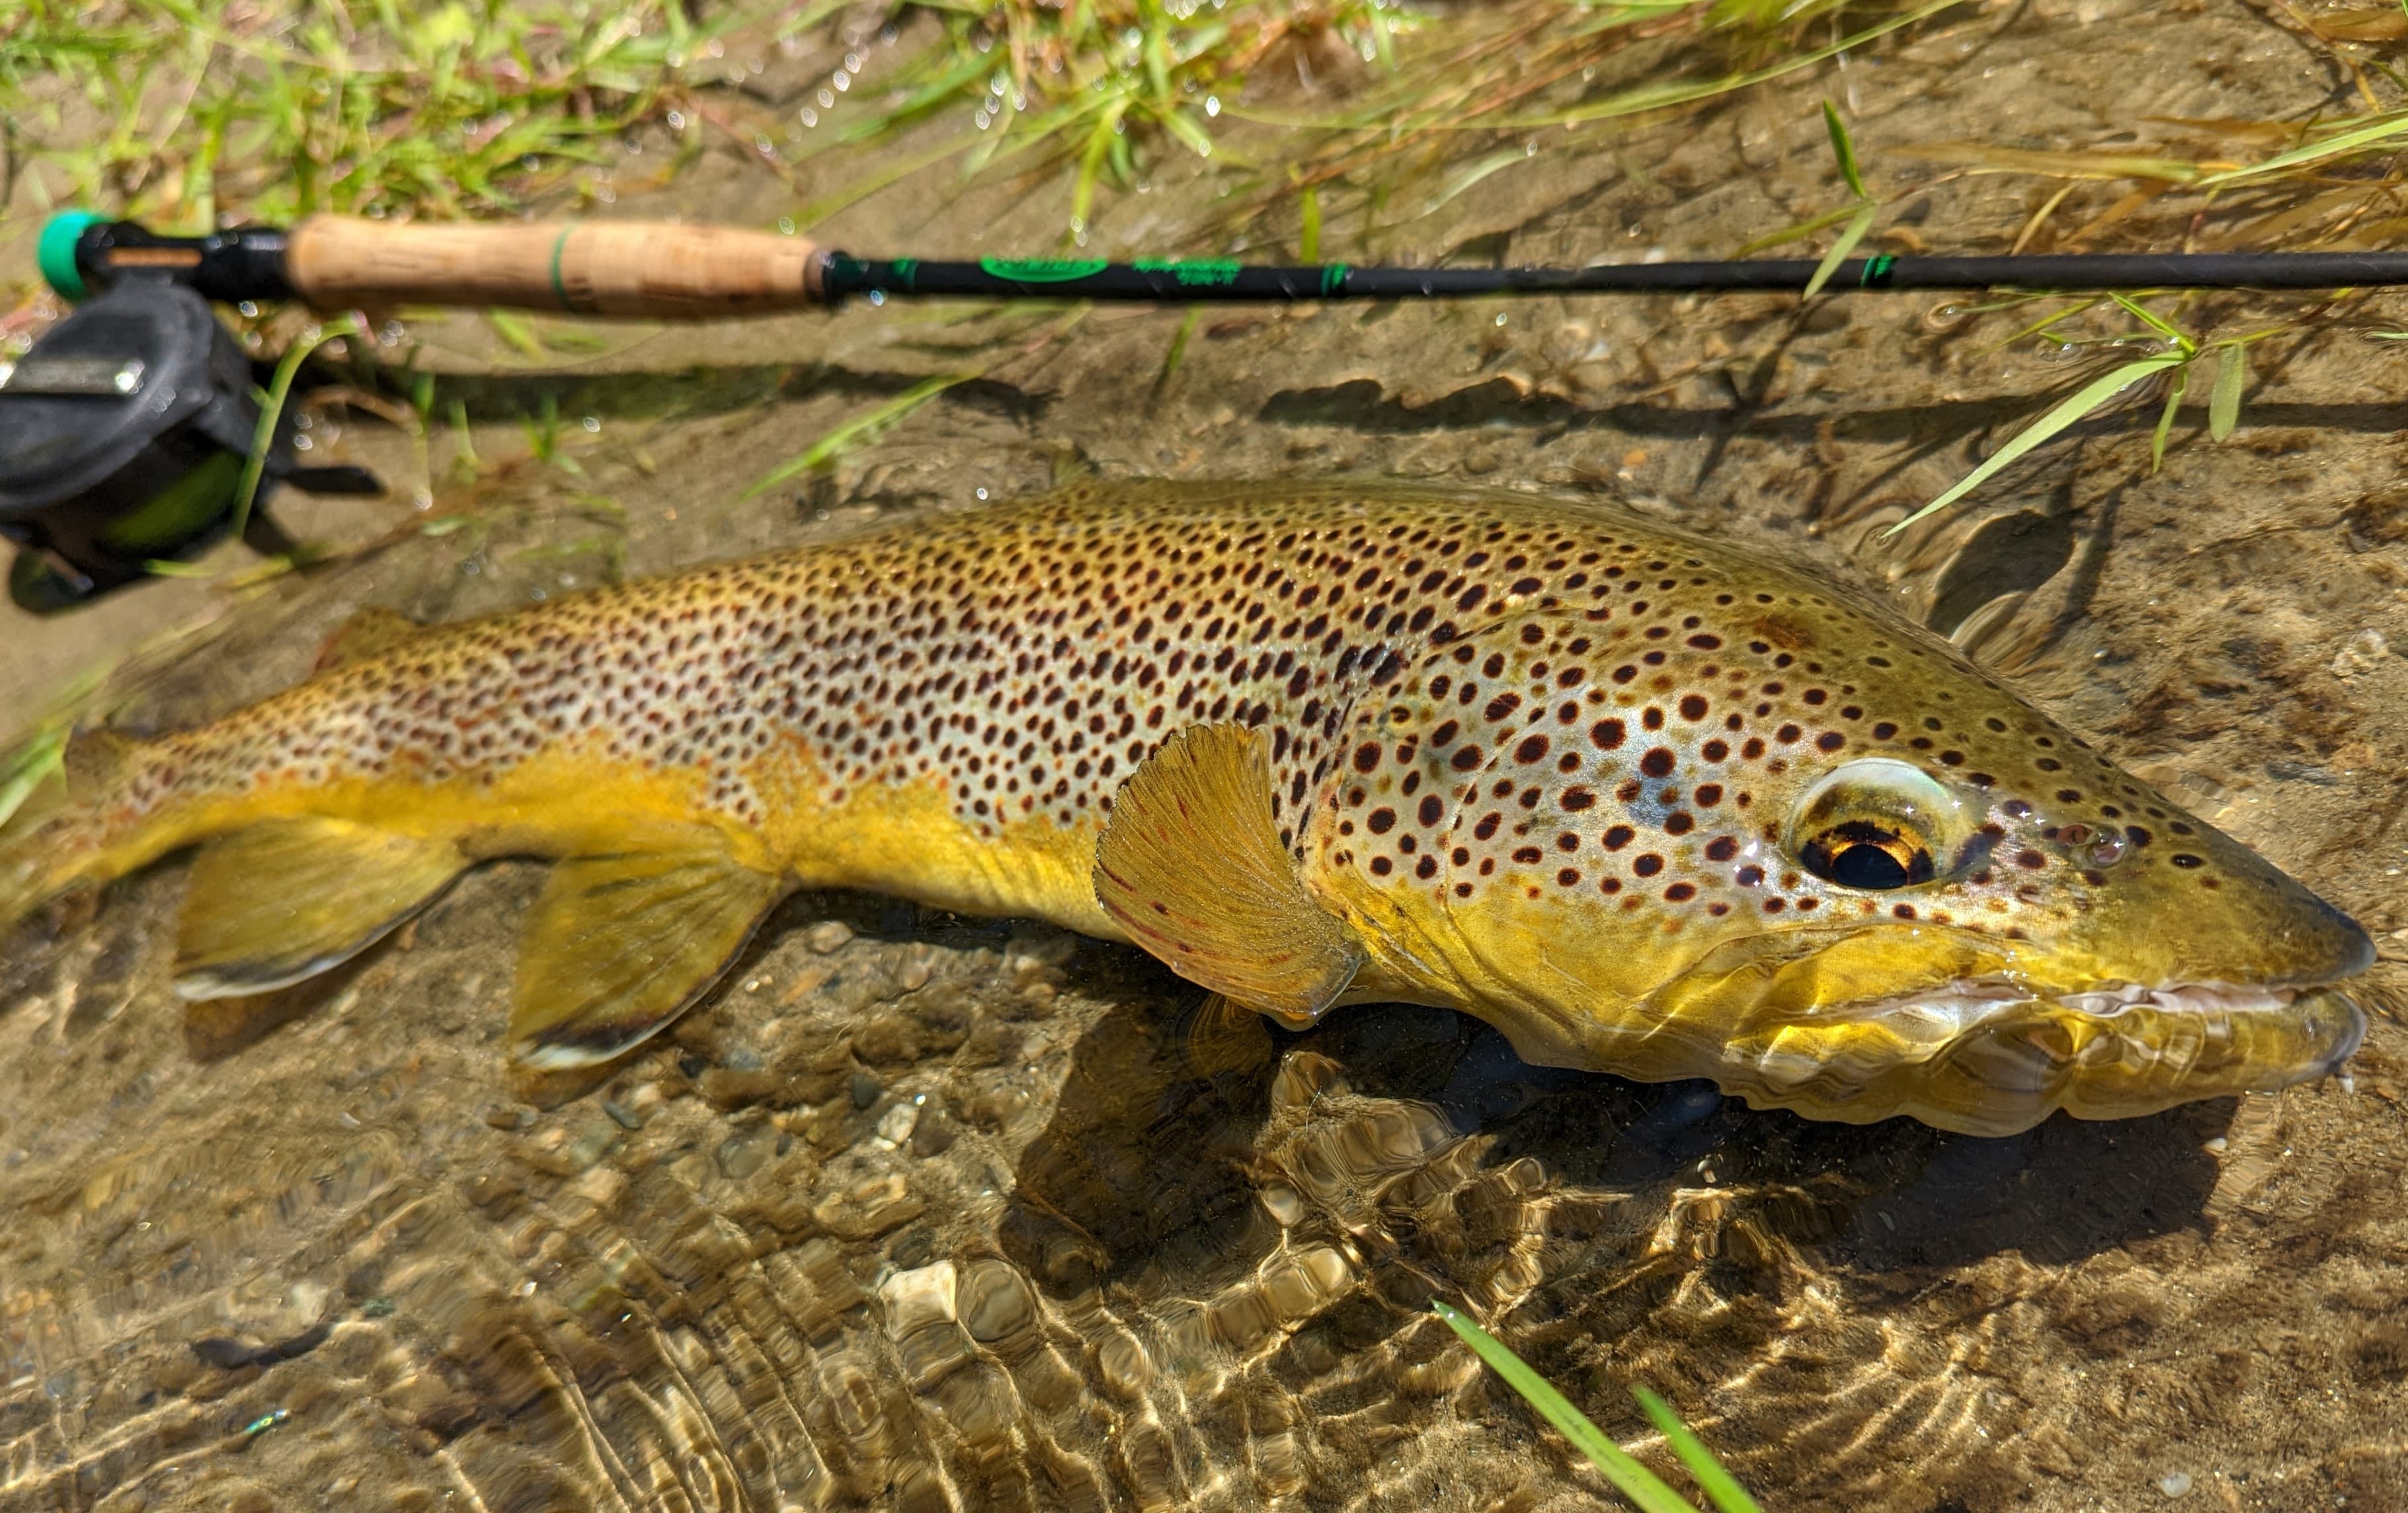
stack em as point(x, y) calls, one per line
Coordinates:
point(922, 1212)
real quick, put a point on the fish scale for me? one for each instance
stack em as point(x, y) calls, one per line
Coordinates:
point(1649, 803)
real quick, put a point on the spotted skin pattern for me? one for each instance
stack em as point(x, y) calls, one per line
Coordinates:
point(1538, 755)
point(1623, 751)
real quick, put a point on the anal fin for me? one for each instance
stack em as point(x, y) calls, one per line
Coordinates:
point(619, 945)
point(1193, 867)
point(284, 899)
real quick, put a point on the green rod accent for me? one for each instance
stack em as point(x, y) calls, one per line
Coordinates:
point(55, 253)
point(559, 290)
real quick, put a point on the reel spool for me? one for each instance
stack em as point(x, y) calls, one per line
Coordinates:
point(123, 435)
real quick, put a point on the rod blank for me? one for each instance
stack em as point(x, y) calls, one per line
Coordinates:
point(659, 270)
point(1211, 281)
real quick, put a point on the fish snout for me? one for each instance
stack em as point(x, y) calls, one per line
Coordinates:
point(2218, 912)
point(2322, 943)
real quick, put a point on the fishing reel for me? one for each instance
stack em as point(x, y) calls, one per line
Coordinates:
point(125, 430)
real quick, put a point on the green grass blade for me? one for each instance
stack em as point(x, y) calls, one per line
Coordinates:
point(2081, 402)
point(2043, 325)
point(1633, 1481)
point(29, 767)
point(2224, 400)
point(1716, 1483)
point(1494, 162)
point(1309, 242)
point(1180, 125)
point(1178, 350)
point(272, 410)
point(1854, 234)
point(2347, 141)
point(1844, 150)
point(513, 328)
point(2166, 417)
point(878, 419)
point(2151, 319)
point(1090, 163)
point(1798, 232)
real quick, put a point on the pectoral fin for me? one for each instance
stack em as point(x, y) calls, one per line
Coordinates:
point(1193, 867)
point(620, 945)
point(278, 902)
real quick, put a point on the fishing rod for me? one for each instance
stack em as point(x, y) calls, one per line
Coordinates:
point(646, 270)
point(127, 432)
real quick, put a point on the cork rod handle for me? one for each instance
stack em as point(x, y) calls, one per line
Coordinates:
point(585, 267)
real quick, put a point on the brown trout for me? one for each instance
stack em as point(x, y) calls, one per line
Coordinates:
point(1649, 804)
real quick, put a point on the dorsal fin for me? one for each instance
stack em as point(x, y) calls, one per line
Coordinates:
point(1193, 867)
point(372, 632)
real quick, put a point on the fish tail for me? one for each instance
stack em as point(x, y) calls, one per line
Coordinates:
point(274, 896)
point(287, 883)
point(56, 797)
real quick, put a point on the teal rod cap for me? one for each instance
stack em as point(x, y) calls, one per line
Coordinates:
point(56, 253)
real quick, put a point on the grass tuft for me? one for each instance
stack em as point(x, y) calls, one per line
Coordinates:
point(1366, 92)
point(194, 112)
point(1644, 1488)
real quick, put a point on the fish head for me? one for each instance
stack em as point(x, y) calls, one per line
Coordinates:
point(1723, 823)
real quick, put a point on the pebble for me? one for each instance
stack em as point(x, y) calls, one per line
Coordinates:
point(2174, 1483)
point(828, 935)
point(2363, 653)
point(914, 1298)
point(1283, 1205)
point(894, 1126)
point(995, 1300)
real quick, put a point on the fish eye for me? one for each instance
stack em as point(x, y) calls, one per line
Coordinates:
point(1877, 825)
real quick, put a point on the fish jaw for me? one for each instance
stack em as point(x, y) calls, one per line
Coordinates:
point(2147, 997)
point(1954, 1030)
point(1988, 1057)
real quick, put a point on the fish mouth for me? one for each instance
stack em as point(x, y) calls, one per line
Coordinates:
point(1986, 1056)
